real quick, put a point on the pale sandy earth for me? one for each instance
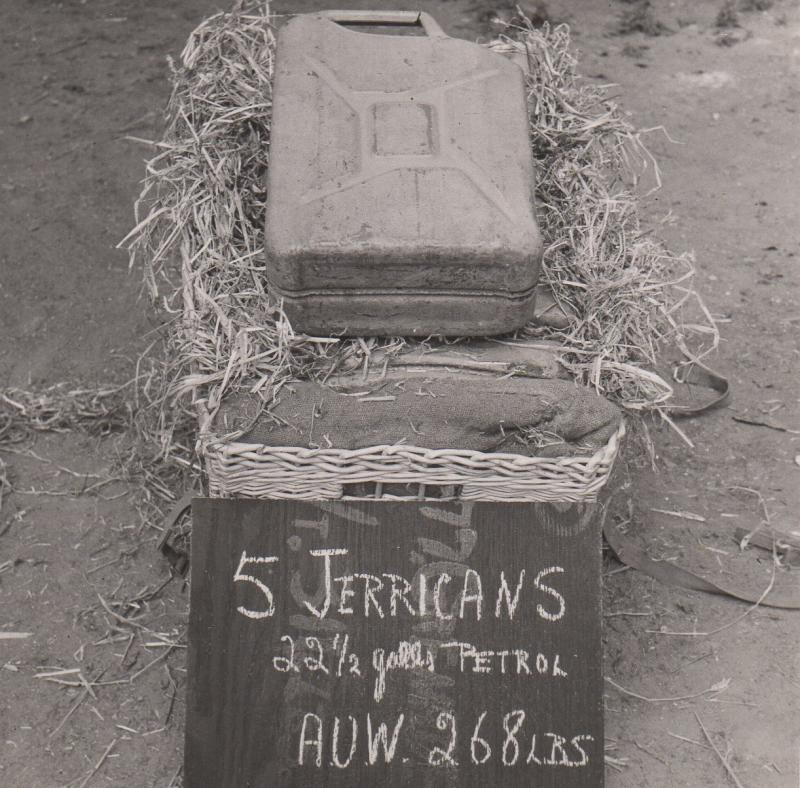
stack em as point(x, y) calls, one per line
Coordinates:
point(78, 76)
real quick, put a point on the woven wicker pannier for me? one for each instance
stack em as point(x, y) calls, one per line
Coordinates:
point(456, 422)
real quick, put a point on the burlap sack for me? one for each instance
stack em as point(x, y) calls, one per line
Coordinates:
point(487, 396)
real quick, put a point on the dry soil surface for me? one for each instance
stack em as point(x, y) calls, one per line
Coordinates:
point(80, 77)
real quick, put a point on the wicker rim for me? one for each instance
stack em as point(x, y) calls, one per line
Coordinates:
point(258, 470)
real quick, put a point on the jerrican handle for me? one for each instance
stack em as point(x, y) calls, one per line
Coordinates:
point(428, 23)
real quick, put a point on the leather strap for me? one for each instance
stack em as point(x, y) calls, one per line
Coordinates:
point(178, 559)
point(633, 556)
point(698, 374)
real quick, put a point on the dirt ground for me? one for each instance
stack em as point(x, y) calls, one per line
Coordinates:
point(79, 77)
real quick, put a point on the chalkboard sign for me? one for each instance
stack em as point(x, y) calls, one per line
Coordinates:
point(394, 643)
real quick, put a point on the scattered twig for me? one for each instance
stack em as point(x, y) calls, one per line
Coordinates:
point(174, 777)
point(81, 698)
point(686, 739)
point(720, 686)
point(627, 613)
point(615, 763)
point(51, 673)
point(650, 752)
point(97, 766)
point(682, 515)
point(172, 697)
point(722, 758)
point(770, 424)
point(764, 522)
point(149, 665)
point(733, 702)
point(692, 662)
point(122, 619)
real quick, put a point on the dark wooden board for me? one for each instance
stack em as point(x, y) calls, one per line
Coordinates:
point(512, 718)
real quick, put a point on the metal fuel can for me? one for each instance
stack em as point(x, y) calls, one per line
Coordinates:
point(401, 180)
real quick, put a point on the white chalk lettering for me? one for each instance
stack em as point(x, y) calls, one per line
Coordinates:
point(432, 590)
point(286, 664)
point(470, 659)
point(522, 660)
point(483, 662)
point(504, 592)
point(352, 659)
point(345, 593)
point(315, 662)
point(558, 753)
point(317, 739)
point(239, 576)
point(409, 655)
point(425, 598)
point(532, 754)
point(432, 596)
point(558, 743)
point(437, 756)
point(372, 585)
point(326, 553)
point(510, 752)
point(545, 614)
point(475, 596)
point(423, 594)
point(378, 740)
point(465, 650)
point(400, 594)
point(306, 742)
point(313, 653)
point(444, 578)
point(541, 663)
point(576, 743)
point(478, 741)
point(503, 654)
point(335, 743)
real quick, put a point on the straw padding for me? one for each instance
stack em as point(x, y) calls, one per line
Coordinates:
point(258, 471)
point(199, 234)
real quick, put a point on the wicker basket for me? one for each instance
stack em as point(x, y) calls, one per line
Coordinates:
point(258, 471)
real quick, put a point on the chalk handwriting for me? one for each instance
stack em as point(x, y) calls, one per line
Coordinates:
point(407, 656)
point(324, 662)
point(379, 741)
point(239, 576)
point(390, 594)
point(317, 655)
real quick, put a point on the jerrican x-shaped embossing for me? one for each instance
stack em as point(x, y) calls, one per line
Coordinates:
point(448, 154)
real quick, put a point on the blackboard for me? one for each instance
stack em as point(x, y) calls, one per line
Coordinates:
point(394, 643)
